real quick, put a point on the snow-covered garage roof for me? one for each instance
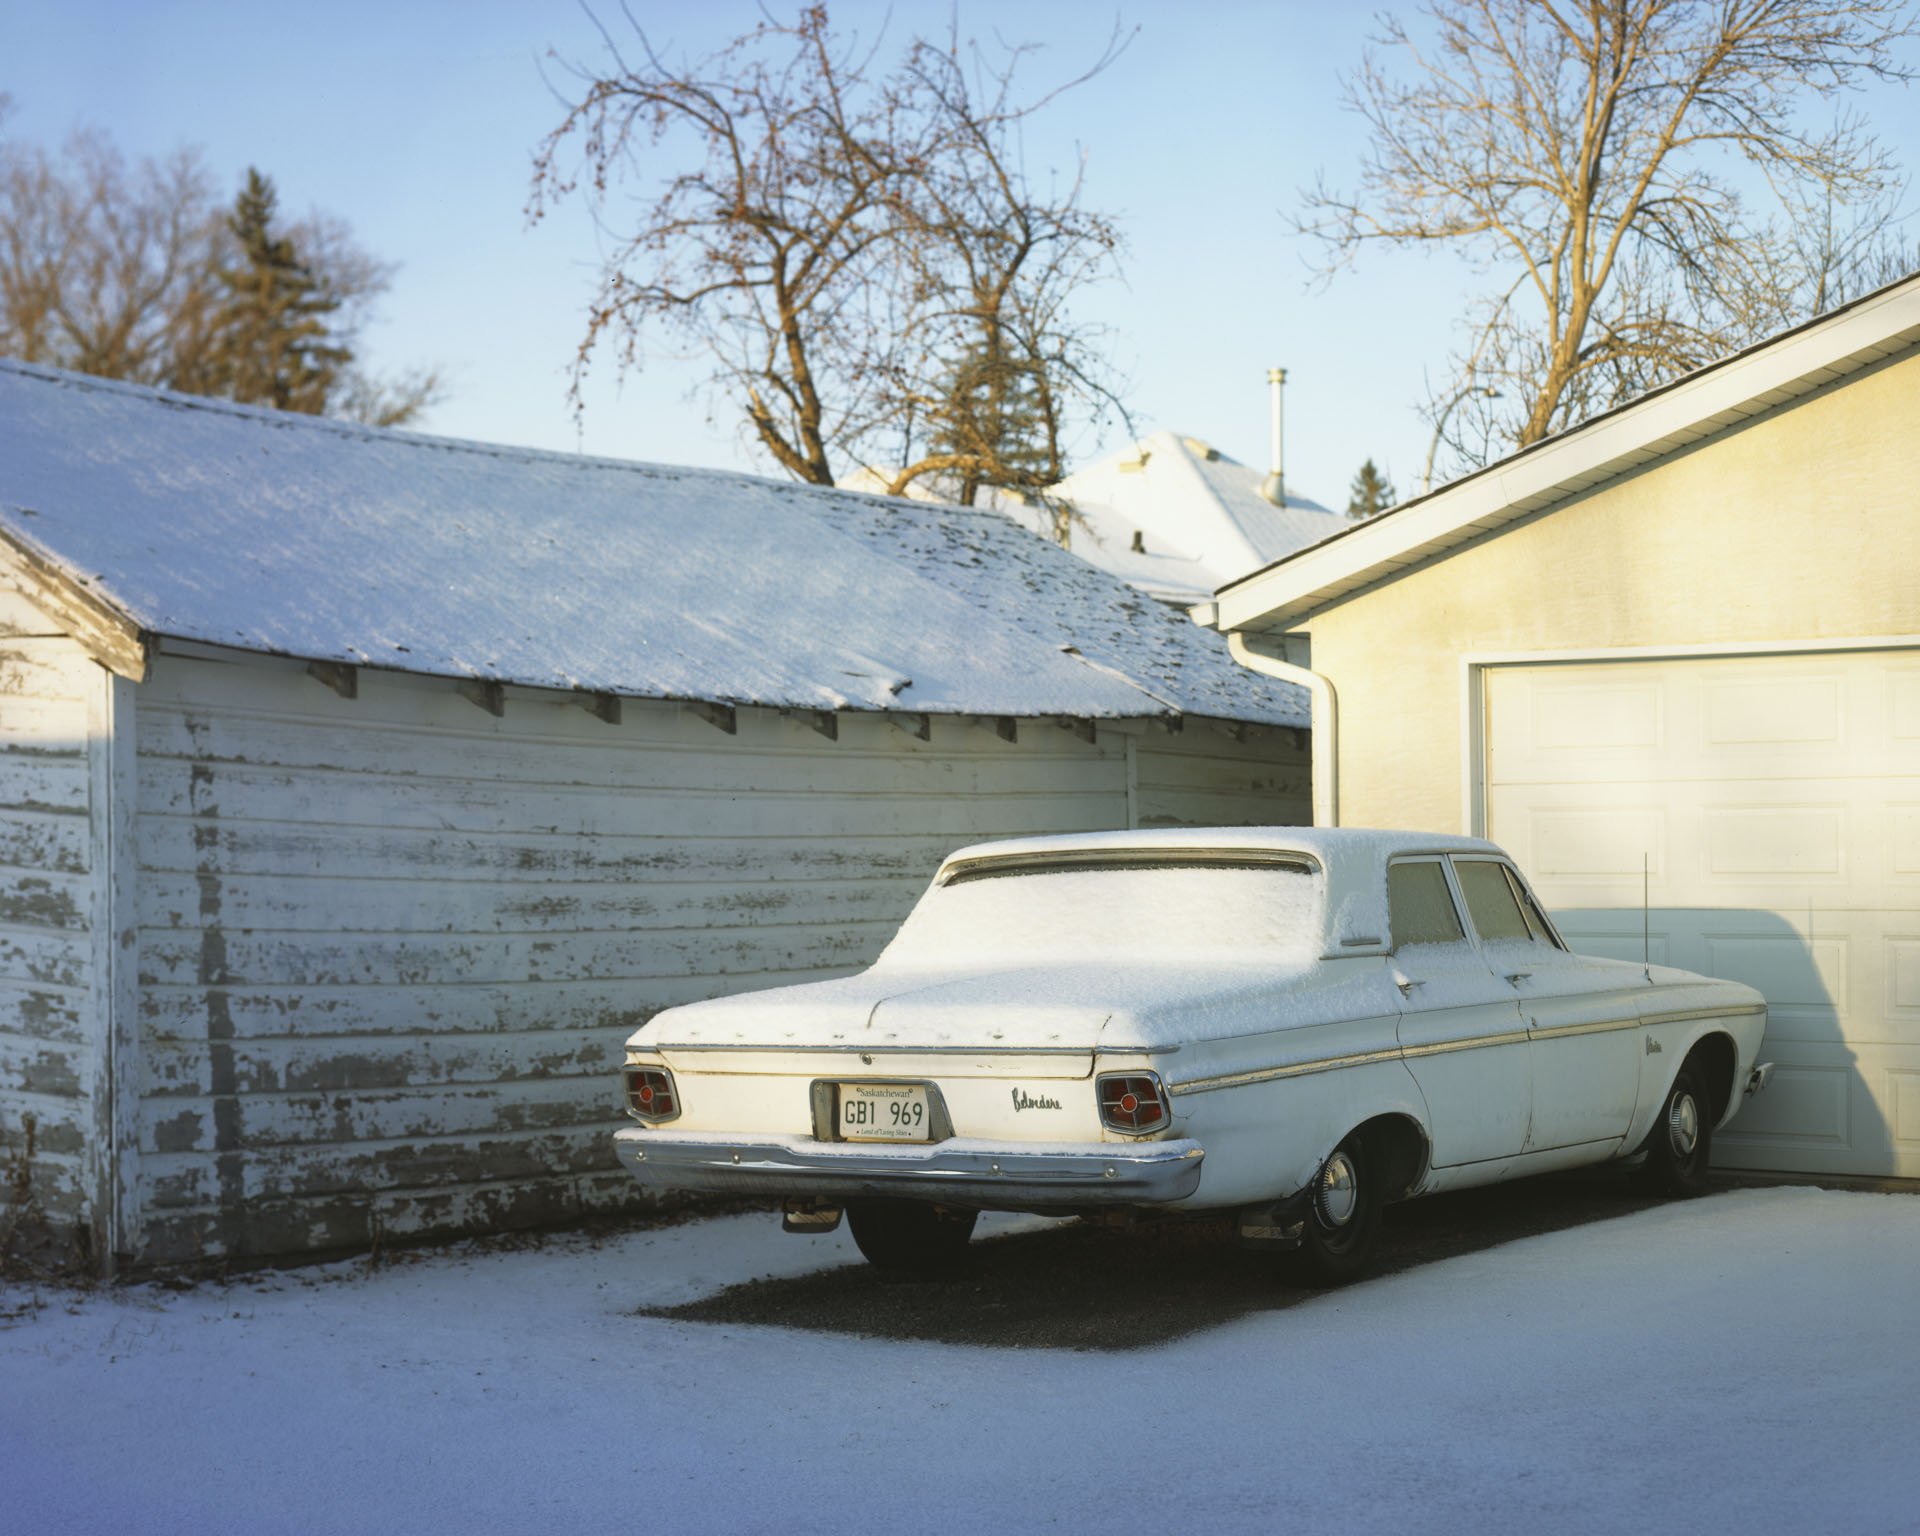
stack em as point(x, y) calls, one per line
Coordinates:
point(142, 515)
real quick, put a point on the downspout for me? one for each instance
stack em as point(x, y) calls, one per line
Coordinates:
point(1326, 785)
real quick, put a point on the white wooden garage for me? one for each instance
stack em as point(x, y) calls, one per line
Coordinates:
point(1672, 656)
point(360, 792)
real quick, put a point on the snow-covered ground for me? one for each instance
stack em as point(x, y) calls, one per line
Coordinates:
point(1742, 1363)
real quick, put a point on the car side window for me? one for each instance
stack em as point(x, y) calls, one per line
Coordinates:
point(1536, 919)
point(1491, 902)
point(1419, 906)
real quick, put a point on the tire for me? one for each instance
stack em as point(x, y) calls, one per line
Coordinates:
point(910, 1237)
point(1343, 1218)
point(1682, 1141)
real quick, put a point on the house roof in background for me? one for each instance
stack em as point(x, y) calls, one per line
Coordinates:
point(183, 518)
point(1880, 325)
point(1200, 515)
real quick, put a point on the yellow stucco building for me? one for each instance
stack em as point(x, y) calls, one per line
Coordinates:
point(1671, 660)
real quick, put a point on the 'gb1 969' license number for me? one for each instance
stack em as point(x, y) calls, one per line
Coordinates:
point(884, 1112)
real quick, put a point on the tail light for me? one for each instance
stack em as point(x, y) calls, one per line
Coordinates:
point(650, 1094)
point(1133, 1102)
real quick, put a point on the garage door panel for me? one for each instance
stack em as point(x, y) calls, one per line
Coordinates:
point(1775, 842)
point(1904, 1090)
point(1793, 971)
point(1613, 934)
point(1843, 1110)
point(1776, 802)
point(1731, 719)
point(1903, 844)
point(1904, 705)
point(1810, 1109)
point(1771, 715)
point(1588, 844)
point(1575, 721)
point(1903, 981)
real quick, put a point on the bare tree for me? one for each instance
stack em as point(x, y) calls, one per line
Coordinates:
point(1633, 174)
point(124, 270)
point(104, 267)
point(855, 250)
point(1001, 375)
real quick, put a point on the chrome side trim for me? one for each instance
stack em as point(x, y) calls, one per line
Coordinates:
point(1351, 1059)
point(1472, 1043)
point(1443, 1047)
point(1292, 1069)
point(1598, 1027)
point(1684, 1015)
point(659, 1047)
point(994, 1175)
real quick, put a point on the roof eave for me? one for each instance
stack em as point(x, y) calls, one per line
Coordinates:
point(101, 628)
point(1721, 395)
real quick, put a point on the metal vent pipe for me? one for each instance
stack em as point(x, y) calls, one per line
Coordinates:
point(1274, 487)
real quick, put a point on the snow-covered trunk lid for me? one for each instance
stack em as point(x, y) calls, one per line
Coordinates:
point(1038, 1022)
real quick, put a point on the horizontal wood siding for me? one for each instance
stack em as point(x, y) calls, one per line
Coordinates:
point(50, 1013)
point(1218, 774)
point(390, 946)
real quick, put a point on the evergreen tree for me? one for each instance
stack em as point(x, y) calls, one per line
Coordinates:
point(993, 422)
point(140, 270)
point(1371, 495)
point(276, 339)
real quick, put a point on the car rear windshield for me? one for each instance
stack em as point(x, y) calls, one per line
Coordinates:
point(1143, 907)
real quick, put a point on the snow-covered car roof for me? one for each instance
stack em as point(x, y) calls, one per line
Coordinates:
point(1354, 860)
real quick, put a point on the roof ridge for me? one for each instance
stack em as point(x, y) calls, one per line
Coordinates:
point(1190, 463)
point(294, 421)
point(1579, 437)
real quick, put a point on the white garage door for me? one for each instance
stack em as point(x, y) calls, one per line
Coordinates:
point(1776, 802)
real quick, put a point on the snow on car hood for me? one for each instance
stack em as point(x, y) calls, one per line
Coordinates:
point(1075, 1007)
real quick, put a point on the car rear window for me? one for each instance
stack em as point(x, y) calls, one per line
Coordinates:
point(993, 866)
point(1114, 908)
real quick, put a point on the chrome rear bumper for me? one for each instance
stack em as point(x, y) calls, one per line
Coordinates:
point(994, 1175)
point(1758, 1078)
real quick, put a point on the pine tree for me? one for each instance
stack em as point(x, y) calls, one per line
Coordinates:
point(1371, 495)
point(276, 342)
point(993, 418)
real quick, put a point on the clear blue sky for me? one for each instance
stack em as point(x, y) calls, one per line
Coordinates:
point(414, 120)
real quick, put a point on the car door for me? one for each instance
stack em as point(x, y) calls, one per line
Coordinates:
point(1461, 1031)
point(1581, 1016)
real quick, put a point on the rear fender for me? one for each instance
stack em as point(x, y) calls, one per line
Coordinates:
point(1265, 1141)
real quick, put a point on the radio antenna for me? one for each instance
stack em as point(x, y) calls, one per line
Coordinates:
point(1646, 942)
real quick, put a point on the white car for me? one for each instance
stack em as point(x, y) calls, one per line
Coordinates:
point(1296, 1025)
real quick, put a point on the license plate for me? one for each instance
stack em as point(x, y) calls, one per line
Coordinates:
point(884, 1112)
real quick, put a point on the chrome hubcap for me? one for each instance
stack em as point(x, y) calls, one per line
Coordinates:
point(1683, 1124)
point(1337, 1191)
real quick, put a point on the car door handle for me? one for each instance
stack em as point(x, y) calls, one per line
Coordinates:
point(1406, 984)
point(1514, 978)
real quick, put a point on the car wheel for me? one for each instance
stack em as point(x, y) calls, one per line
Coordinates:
point(910, 1237)
point(1682, 1141)
point(1342, 1223)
